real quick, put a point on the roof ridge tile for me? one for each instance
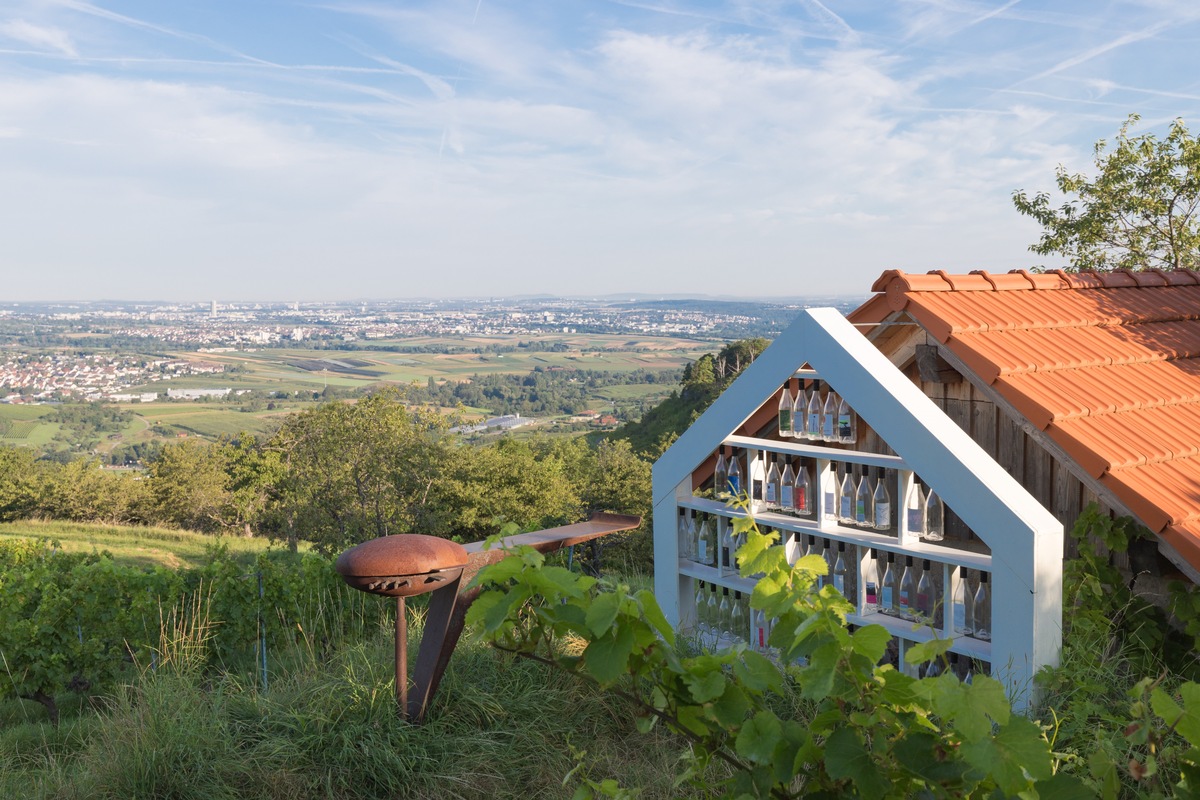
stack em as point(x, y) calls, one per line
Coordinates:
point(1009, 281)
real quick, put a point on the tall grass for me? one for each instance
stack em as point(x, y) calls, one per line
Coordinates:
point(328, 729)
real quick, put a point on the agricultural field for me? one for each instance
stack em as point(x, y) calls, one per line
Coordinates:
point(270, 383)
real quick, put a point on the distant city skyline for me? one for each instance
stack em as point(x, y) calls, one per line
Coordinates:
point(285, 151)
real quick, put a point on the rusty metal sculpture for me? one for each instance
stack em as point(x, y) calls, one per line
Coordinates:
point(405, 565)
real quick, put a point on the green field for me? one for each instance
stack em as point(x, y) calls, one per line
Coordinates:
point(144, 546)
point(21, 425)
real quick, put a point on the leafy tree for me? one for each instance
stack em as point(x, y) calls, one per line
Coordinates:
point(350, 472)
point(1139, 212)
point(190, 485)
point(20, 483)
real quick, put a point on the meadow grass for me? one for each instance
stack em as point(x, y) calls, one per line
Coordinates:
point(142, 546)
point(500, 727)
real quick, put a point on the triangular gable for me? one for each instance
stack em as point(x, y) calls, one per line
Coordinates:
point(1025, 539)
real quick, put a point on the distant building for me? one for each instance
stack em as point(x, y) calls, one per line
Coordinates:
point(196, 394)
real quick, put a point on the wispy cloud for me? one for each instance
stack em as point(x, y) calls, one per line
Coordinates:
point(38, 36)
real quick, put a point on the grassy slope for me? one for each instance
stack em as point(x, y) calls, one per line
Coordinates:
point(130, 544)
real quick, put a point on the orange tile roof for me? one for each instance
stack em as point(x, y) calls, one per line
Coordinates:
point(1107, 364)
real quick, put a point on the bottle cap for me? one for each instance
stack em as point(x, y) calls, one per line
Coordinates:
point(925, 564)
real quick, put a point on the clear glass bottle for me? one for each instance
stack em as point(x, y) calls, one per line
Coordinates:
point(935, 516)
point(862, 501)
point(829, 417)
point(759, 631)
point(787, 488)
point(914, 509)
point(738, 626)
point(721, 476)
point(800, 412)
point(840, 570)
point(804, 492)
point(907, 596)
point(924, 604)
point(827, 554)
point(733, 479)
point(706, 544)
point(830, 490)
point(958, 604)
point(813, 429)
point(881, 503)
point(754, 478)
point(725, 536)
point(724, 613)
point(685, 536)
point(872, 588)
point(774, 487)
point(981, 610)
point(713, 606)
point(700, 600)
point(933, 669)
point(786, 403)
point(847, 423)
point(887, 587)
point(846, 498)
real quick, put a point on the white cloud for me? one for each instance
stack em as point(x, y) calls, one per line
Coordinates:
point(38, 36)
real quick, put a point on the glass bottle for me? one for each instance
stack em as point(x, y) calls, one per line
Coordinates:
point(933, 669)
point(733, 480)
point(924, 605)
point(981, 610)
point(724, 535)
point(737, 618)
point(872, 590)
point(785, 413)
point(759, 631)
point(787, 489)
point(907, 595)
point(827, 554)
point(829, 417)
point(846, 499)
point(754, 479)
point(914, 509)
point(800, 412)
point(724, 613)
point(881, 503)
point(701, 609)
point(847, 423)
point(887, 589)
point(774, 487)
point(862, 501)
point(830, 490)
point(684, 534)
point(813, 429)
point(840, 570)
point(712, 606)
point(958, 604)
point(804, 494)
point(706, 544)
point(935, 516)
point(721, 476)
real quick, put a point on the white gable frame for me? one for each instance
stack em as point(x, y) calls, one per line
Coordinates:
point(1025, 539)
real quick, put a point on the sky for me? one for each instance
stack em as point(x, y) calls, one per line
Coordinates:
point(283, 150)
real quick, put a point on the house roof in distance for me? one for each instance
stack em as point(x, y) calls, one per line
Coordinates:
point(1106, 364)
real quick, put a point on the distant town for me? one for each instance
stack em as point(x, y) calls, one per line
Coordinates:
point(102, 350)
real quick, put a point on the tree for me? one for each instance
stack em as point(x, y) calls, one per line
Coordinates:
point(189, 485)
point(1140, 211)
point(350, 472)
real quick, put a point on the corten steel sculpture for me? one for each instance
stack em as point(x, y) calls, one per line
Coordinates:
point(404, 565)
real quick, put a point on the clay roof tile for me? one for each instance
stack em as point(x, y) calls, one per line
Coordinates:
point(1008, 281)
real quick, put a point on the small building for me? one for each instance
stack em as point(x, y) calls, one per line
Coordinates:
point(1005, 539)
point(197, 394)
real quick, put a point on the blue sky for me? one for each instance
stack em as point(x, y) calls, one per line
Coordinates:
point(270, 149)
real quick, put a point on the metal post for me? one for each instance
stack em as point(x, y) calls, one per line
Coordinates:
point(401, 659)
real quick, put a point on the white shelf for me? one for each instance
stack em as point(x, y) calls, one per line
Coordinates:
point(799, 447)
point(880, 541)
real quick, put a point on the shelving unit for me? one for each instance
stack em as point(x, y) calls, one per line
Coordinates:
point(1019, 544)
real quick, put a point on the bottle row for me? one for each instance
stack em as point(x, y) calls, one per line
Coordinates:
point(896, 585)
point(724, 617)
point(853, 495)
point(805, 414)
